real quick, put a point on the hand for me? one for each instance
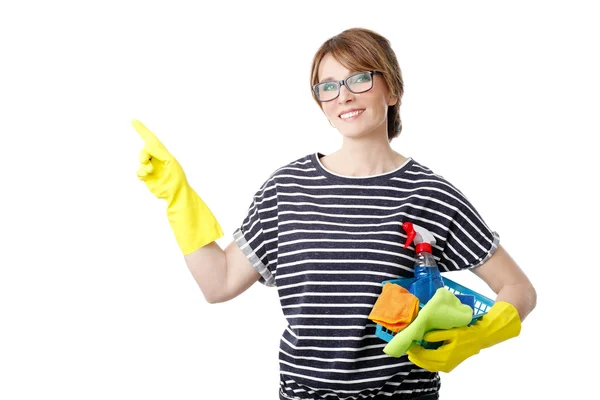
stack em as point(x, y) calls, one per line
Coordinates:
point(192, 222)
point(502, 322)
point(158, 168)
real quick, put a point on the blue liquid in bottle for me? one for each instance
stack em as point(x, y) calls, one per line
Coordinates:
point(428, 277)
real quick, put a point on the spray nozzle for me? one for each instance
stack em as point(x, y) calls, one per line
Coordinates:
point(418, 234)
point(410, 233)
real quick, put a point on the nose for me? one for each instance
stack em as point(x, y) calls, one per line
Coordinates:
point(345, 95)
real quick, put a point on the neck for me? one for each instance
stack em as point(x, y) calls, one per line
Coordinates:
point(363, 157)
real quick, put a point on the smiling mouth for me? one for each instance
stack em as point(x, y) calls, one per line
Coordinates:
point(351, 114)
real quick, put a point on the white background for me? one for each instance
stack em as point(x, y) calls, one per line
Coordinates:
point(96, 301)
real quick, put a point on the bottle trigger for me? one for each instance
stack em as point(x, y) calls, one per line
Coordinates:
point(410, 233)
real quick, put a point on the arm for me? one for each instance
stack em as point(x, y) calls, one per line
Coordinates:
point(515, 299)
point(508, 281)
point(221, 275)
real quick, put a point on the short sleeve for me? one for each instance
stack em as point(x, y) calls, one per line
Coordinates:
point(253, 236)
point(469, 240)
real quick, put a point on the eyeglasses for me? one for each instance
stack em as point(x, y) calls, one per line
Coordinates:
point(356, 83)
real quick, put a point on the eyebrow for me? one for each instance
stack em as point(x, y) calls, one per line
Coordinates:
point(329, 78)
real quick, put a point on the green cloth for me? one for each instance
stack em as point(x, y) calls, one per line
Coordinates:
point(443, 311)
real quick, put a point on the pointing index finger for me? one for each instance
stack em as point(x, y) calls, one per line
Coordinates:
point(151, 143)
point(144, 132)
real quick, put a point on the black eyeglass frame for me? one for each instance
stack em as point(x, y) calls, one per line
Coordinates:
point(343, 82)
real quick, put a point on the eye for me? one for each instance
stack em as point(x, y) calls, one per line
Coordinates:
point(329, 86)
point(364, 77)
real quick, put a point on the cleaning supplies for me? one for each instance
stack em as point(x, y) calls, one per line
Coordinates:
point(443, 311)
point(427, 275)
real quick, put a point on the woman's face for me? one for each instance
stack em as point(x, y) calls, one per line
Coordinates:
point(355, 115)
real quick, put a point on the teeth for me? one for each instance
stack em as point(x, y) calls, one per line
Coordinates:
point(351, 114)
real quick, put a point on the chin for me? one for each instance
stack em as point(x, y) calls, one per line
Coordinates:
point(355, 132)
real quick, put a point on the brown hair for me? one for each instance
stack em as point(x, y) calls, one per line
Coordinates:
point(360, 49)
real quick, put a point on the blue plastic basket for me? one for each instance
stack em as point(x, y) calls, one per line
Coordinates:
point(479, 303)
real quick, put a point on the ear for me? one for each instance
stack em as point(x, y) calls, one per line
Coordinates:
point(392, 100)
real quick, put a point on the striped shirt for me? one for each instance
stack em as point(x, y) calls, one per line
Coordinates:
point(327, 242)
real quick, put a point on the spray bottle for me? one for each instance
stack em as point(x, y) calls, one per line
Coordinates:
point(428, 277)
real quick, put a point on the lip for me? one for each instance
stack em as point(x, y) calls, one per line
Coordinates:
point(350, 110)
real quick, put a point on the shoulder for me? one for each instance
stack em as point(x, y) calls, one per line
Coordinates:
point(299, 165)
point(421, 172)
point(418, 168)
point(296, 166)
point(428, 177)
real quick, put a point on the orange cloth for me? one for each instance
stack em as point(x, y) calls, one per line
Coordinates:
point(395, 308)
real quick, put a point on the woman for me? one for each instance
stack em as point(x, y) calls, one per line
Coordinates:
point(325, 230)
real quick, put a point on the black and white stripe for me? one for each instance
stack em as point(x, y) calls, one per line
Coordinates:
point(326, 242)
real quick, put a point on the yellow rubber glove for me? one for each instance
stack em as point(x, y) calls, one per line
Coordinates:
point(502, 322)
point(193, 224)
